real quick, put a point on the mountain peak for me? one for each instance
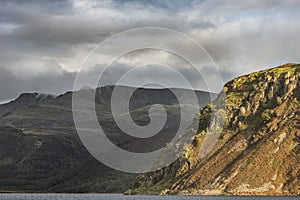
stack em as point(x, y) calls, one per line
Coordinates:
point(23, 100)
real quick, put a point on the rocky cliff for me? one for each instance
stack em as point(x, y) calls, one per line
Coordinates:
point(257, 152)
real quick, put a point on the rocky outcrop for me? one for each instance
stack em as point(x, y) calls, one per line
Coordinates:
point(258, 151)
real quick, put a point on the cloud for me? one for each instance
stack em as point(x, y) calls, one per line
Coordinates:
point(54, 82)
point(44, 42)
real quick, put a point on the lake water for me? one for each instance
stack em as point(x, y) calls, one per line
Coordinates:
point(122, 197)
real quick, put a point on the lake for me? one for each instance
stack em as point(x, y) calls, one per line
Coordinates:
point(122, 197)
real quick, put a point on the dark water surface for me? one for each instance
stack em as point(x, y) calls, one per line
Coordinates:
point(122, 197)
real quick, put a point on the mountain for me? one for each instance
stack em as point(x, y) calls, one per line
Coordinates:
point(41, 151)
point(23, 100)
point(257, 152)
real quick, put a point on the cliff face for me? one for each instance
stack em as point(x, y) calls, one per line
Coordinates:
point(258, 151)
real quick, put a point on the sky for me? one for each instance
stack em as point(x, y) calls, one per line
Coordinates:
point(43, 43)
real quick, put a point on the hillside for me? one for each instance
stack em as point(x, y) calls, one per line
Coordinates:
point(41, 152)
point(258, 151)
point(23, 100)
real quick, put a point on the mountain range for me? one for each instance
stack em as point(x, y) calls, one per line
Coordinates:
point(41, 151)
point(256, 152)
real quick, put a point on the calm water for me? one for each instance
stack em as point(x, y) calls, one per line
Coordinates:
point(121, 197)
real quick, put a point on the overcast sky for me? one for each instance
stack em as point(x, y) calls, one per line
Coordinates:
point(43, 43)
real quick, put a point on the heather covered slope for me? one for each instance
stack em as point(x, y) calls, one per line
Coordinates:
point(258, 151)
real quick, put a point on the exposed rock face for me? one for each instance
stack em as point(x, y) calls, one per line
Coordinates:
point(258, 151)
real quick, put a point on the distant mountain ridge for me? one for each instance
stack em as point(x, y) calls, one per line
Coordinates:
point(41, 151)
point(23, 100)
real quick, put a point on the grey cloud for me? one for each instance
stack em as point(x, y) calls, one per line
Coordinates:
point(241, 37)
point(12, 85)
